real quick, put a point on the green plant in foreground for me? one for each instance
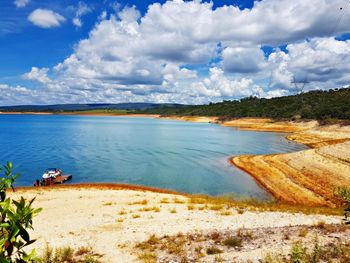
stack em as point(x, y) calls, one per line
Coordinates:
point(15, 219)
point(298, 253)
point(344, 193)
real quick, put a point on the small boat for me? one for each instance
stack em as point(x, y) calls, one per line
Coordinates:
point(52, 176)
point(51, 173)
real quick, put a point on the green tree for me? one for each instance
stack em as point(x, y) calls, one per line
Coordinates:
point(16, 217)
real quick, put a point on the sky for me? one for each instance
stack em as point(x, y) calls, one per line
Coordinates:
point(191, 52)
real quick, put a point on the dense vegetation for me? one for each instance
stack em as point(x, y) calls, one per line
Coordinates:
point(319, 105)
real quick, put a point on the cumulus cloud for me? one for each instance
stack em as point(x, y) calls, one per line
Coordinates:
point(21, 3)
point(39, 75)
point(243, 59)
point(45, 18)
point(15, 95)
point(319, 60)
point(81, 10)
point(218, 85)
point(165, 54)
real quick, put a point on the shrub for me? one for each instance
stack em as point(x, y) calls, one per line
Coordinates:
point(16, 217)
point(297, 253)
point(344, 193)
point(233, 242)
point(213, 250)
point(68, 255)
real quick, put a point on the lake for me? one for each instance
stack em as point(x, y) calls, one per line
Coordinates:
point(182, 156)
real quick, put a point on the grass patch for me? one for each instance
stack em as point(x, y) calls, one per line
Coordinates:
point(68, 255)
point(142, 202)
point(216, 207)
point(164, 201)
point(233, 242)
point(190, 207)
point(173, 210)
point(213, 250)
point(226, 213)
point(331, 252)
point(303, 232)
point(122, 212)
point(178, 201)
point(148, 209)
point(147, 257)
point(134, 216)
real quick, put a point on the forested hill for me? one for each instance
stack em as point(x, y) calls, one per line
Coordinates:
point(311, 105)
point(85, 107)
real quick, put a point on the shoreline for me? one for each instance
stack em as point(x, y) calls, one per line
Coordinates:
point(124, 216)
point(306, 177)
point(286, 176)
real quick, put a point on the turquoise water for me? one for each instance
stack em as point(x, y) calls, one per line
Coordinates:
point(183, 156)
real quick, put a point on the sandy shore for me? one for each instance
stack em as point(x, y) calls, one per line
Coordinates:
point(112, 221)
point(305, 177)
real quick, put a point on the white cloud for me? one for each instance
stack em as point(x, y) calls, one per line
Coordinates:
point(81, 10)
point(21, 3)
point(45, 18)
point(16, 95)
point(243, 59)
point(165, 54)
point(218, 85)
point(39, 75)
point(317, 61)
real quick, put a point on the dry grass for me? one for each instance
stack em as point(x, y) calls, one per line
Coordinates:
point(122, 212)
point(178, 201)
point(68, 255)
point(202, 246)
point(303, 232)
point(204, 202)
point(134, 216)
point(226, 213)
point(173, 210)
point(164, 201)
point(147, 257)
point(148, 209)
point(190, 207)
point(141, 202)
point(107, 204)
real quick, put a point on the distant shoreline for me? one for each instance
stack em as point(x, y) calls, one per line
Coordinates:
point(80, 114)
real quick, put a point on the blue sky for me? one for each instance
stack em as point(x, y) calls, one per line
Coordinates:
point(169, 51)
point(24, 45)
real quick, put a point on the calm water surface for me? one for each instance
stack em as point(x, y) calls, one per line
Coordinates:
point(183, 156)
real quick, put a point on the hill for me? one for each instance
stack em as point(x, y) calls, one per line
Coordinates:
point(319, 105)
point(85, 107)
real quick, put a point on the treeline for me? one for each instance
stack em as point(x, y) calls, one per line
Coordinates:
point(321, 105)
